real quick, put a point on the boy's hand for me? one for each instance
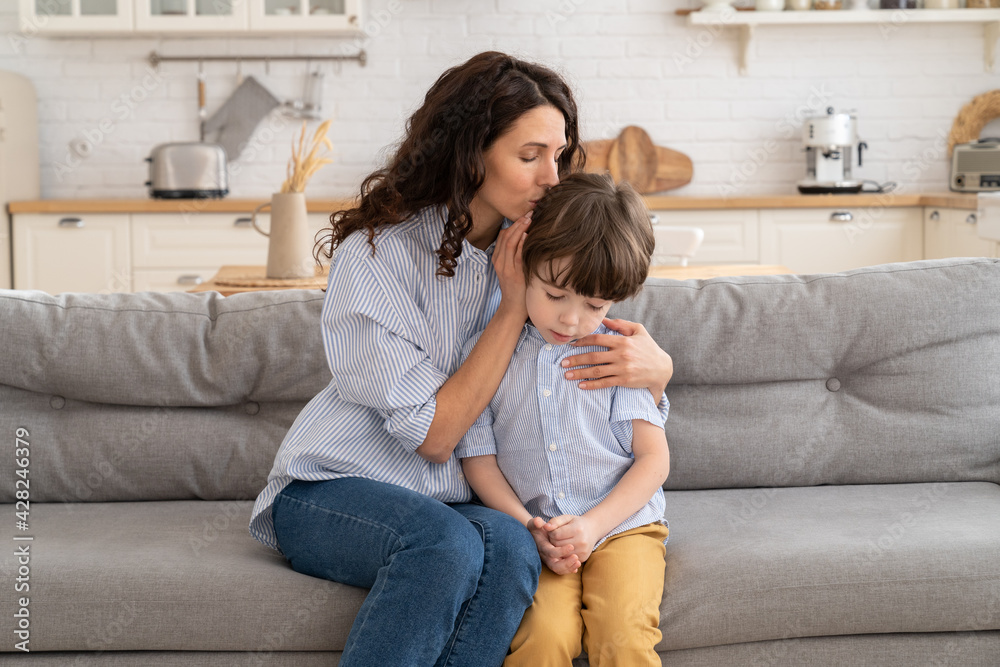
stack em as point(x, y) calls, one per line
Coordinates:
point(577, 532)
point(559, 559)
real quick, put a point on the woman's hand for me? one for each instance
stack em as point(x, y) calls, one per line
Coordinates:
point(508, 265)
point(631, 360)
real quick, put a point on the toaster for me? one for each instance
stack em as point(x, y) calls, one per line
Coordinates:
point(975, 166)
point(187, 171)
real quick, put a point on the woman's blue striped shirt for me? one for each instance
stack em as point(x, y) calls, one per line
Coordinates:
point(392, 333)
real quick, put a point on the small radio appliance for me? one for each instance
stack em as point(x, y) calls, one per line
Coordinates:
point(975, 166)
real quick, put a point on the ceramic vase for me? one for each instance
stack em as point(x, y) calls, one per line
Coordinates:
point(289, 247)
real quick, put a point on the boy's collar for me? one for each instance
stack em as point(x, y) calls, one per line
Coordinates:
point(530, 333)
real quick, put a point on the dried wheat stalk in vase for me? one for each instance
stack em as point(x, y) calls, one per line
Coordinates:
point(302, 165)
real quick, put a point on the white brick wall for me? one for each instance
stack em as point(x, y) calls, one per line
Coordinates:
point(629, 62)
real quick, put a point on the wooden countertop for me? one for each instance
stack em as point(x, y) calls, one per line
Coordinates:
point(236, 279)
point(161, 205)
point(654, 202)
point(890, 199)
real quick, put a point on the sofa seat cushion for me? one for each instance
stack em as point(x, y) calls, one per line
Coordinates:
point(743, 565)
point(171, 575)
point(748, 565)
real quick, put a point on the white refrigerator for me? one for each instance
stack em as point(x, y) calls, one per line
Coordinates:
point(19, 173)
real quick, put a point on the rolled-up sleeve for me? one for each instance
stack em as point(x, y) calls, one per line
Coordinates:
point(375, 355)
point(629, 404)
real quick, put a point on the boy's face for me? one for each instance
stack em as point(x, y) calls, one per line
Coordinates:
point(560, 314)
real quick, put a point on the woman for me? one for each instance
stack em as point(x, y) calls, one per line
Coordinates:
point(364, 489)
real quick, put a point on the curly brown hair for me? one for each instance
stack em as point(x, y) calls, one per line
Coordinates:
point(440, 159)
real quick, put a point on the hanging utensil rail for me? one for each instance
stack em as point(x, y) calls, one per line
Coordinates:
point(155, 58)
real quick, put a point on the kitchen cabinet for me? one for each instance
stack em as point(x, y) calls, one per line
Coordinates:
point(950, 232)
point(175, 252)
point(159, 252)
point(72, 253)
point(731, 235)
point(822, 240)
point(190, 17)
point(319, 16)
point(63, 17)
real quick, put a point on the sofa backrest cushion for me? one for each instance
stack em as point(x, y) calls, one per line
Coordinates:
point(155, 396)
point(880, 375)
point(887, 374)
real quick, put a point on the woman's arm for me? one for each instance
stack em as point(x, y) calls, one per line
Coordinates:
point(463, 396)
point(631, 360)
point(631, 493)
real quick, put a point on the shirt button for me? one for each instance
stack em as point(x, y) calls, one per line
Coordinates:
point(478, 277)
point(552, 447)
point(562, 495)
point(546, 393)
point(548, 347)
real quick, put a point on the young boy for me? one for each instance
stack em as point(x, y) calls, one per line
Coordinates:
point(582, 469)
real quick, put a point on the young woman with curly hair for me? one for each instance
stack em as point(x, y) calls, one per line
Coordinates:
point(365, 489)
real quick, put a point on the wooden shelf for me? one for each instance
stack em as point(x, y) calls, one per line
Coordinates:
point(747, 21)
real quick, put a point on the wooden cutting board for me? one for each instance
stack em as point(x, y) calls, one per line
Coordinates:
point(633, 157)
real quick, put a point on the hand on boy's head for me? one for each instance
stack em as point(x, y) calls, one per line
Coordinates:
point(508, 264)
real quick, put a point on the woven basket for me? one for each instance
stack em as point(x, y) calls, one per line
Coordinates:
point(973, 117)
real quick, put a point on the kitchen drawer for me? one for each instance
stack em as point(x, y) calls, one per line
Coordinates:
point(731, 235)
point(72, 253)
point(951, 232)
point(171, 241)
point(171, 280)
point(828, 240)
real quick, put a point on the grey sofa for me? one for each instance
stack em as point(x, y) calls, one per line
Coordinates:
point(834, 495)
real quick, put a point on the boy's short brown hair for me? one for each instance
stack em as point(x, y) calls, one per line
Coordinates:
point(602, 227)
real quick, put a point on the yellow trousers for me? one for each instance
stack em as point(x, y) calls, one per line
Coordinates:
point(610, 607)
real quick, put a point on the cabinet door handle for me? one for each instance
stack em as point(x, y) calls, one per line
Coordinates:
point(971, 219)
point(71, 222)
point(841, 216)
point(190, 280)
point(935, 216)
point(654, 219)
point(243, 222)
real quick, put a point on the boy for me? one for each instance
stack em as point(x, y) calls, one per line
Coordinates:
point(581, 469)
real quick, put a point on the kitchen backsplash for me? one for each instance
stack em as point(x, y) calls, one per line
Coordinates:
point(630, 62)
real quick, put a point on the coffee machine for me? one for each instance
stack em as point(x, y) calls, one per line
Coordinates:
point(829, 141)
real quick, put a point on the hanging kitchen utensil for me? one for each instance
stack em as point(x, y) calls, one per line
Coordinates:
point(632, 158)
point(239, 116)
point(202, 112)
point(629, 158)
point(311, 103)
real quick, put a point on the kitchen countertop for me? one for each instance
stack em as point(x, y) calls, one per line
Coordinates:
point(654, 202)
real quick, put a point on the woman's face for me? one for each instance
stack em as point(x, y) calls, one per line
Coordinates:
point(520, 167)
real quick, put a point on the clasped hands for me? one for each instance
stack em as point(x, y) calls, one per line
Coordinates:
point(564, 542)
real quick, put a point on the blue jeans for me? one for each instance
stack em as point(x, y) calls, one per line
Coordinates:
point(449, 583)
